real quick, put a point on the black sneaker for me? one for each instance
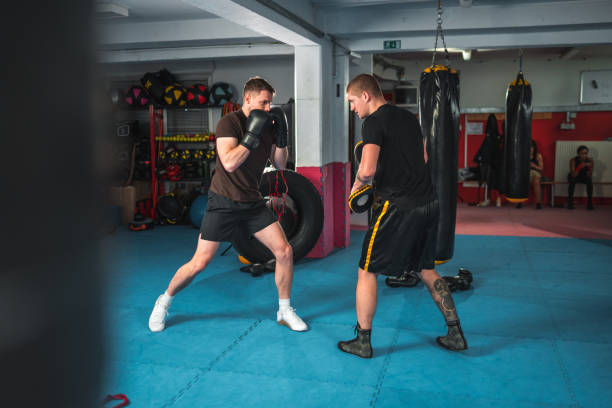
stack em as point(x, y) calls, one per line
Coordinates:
point(538, 206)
point(360, 345)
point(570, 206)
point(454, 340)
point(407, 279)
point(519, 205)
point(590, 206)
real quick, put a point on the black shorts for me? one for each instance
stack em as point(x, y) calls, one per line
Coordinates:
point(223, 217)
point(399, 240)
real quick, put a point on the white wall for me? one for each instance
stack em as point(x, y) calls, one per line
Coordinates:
point(278, 71)
point(483, 83)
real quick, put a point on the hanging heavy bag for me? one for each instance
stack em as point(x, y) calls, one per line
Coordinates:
point(439, 117)
point(517, 140)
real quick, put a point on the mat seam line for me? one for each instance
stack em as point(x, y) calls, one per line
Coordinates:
point(383, 371)
point(210, 366)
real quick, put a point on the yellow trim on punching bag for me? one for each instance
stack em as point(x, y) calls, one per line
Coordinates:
point(521, 82)
point(439, 68)
point(516, 200)
point(441, 261)
point(243, 260)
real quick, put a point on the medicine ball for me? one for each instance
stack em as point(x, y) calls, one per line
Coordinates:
point(136, 96)
point(175, 95)
point(220, 93)
point(156, 82)
point(170, 209)
point(197, 210)
point(197, 94)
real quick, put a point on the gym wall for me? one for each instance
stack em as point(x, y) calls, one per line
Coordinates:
point(483, 84)
point(278, 71)
point(545, 132)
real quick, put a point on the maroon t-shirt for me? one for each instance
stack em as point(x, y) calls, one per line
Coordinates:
point(243, 184)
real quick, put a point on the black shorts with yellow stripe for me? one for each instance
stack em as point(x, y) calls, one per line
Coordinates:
point(399, 240)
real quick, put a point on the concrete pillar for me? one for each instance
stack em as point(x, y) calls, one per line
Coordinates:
point(322, 136)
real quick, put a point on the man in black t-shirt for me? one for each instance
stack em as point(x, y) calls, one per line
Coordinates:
point(245, 140)
point(581, 171)
point(402, 233)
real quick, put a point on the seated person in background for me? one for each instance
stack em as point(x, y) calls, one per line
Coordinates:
point(581, 171)
point(536, 164)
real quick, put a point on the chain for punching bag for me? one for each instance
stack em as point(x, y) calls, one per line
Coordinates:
point(439, 117)
point(439, 33)
point(517, 141)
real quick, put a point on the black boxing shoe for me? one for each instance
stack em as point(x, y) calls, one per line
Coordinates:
point(360, 345)
point(454, 340)
point(407, 279)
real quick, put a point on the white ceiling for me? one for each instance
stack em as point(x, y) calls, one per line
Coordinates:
point(198, 29)
point(158, 10)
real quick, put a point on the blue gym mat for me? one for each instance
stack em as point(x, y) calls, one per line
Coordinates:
point(538, 322)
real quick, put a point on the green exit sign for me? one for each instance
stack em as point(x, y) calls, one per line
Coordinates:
point(392, 45)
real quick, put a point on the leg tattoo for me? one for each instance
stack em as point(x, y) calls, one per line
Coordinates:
point(454, 340)
point(442, 296)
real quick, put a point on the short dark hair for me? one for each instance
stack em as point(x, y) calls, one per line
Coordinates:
point(257, 84)
point(582, 147)
point(364, 82)
point(535, 147)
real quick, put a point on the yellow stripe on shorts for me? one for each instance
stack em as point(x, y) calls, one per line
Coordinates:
point(367, 262)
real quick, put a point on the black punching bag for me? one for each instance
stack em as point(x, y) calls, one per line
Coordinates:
point(517, 140)
point(439, 117)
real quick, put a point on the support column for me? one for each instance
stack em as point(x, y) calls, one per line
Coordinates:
point(309, 136)
point(322, 137)
point(341, 149)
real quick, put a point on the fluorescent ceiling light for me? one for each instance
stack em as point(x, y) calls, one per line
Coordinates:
point(109, 10)
point(569, 53)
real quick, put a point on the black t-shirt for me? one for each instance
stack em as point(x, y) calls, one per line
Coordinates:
point(583, 173)
point(243, 183)
point(402, 176)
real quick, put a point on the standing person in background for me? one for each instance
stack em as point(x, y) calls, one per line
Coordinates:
point(536, 164)
point(581, 171)
point(489, 160)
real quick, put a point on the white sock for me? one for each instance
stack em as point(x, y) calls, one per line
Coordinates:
point(166, 298)
point(284, 304)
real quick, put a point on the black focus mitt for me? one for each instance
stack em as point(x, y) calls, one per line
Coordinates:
point(361, 199)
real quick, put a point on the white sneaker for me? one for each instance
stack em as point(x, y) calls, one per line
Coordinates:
point(484, 203)
point(290, 319)
point(157, 321)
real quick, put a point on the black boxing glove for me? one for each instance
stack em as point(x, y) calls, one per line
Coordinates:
point(280, 126)
point(256, 124)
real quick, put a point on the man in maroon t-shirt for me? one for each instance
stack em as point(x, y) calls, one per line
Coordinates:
point(245, 139)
